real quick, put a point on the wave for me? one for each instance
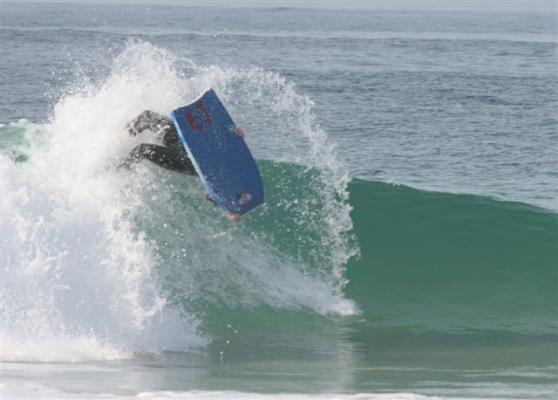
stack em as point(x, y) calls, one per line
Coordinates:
point(428, 263)
point(112, 263)
point(453, 262)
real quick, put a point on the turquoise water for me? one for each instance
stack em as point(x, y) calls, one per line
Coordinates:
point(407, 248)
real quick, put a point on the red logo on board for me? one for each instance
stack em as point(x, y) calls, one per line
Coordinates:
point(191, 117)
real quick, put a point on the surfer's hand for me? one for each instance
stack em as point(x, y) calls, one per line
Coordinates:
point(233, 217)
point(239, 132)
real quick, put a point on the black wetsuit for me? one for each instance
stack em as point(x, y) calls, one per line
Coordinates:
point(170, 155)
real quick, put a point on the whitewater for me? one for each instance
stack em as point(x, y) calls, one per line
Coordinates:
point(406, 249)
point(79, 269)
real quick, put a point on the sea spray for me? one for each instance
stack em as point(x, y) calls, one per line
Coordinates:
point(109, 262)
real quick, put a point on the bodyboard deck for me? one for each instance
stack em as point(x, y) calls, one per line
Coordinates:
point(219, 154)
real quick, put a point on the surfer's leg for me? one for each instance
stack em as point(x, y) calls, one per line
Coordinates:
point(162, 156)
point(149, 120)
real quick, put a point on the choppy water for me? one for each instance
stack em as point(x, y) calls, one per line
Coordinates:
point(352, 278)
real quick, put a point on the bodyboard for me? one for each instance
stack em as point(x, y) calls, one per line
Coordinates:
point(219, 154)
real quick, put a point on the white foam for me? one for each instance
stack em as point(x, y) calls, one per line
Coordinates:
point(99, 263)
point(38, 391)
point(75, 271)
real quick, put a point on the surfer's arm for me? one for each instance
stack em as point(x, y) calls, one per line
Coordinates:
point(162, 156)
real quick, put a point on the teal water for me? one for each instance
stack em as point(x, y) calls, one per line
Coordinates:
point(408, 247)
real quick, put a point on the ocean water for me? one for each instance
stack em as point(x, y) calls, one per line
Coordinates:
point(408, 248)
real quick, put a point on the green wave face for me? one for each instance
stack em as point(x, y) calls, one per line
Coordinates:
point(437, 263)
point(443, 282)
point(453, 282)
point(452, 262)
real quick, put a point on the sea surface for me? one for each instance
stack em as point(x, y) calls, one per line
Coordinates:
point(408, 247)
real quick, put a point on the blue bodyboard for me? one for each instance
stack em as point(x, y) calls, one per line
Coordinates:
point(219, 154)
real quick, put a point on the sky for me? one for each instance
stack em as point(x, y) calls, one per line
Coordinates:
point(536, 6)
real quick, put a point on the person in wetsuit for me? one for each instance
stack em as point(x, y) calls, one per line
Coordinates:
point(170, 155)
